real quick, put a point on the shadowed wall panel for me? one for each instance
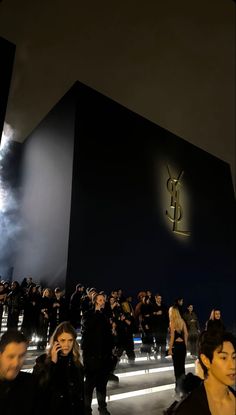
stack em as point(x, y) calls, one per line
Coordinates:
point(7, 54)
point(46, 197)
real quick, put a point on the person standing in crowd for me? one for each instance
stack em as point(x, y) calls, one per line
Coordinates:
point(44, 315)
point(31, 312)
point(96, 344)
point(59, 310)
point(3, 297)
point(146, 318)
point(178, 345)
point(14, 304)
point(193, 328)
point(87, 300)
point(215, 321)
point(215, 394)
point(59, 374)
point(122, 330)
point(17, 388)
point(179, 303)
point(137, 316)
point(160, 323)
point(75, 305)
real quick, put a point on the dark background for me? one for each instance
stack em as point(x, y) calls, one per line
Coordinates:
point(104, 223)
point(172, 62)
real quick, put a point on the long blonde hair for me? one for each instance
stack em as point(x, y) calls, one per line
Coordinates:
point(176, 320)
point(66, 327)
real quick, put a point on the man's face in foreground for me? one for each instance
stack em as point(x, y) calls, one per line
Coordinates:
point(11, 360)
point(222, 368)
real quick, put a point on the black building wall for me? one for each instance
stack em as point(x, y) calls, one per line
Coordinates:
point(105, 224)
point(121, 235)
point(7, 54)
point(8, 167)
point(10, 170)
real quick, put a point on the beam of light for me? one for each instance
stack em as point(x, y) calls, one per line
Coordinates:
point(3, 195)
point(7, 136)
point(10, 225)
point(140, 392)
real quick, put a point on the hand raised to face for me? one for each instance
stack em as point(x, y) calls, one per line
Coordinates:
point(54, 352)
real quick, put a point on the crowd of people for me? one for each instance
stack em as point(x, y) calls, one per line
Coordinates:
point(66, 373)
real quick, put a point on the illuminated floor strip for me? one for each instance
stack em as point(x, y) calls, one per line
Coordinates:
point(154, 370)
point(135, 372)
point(139, 392)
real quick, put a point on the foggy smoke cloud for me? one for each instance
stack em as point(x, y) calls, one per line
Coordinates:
point(9, 222)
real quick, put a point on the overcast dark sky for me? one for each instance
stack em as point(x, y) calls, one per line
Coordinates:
point(171, 61)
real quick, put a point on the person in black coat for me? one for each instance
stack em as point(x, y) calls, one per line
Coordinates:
point(59, 310)
point(97, 344)
point(75, 305)
point(17, 388)
point(215, 322)
point(160, 323)
point(14, 303)
point(59, 374)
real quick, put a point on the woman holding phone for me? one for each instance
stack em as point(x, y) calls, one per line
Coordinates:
point(59, 374)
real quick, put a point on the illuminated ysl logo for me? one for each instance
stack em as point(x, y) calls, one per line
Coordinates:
point(173, 186)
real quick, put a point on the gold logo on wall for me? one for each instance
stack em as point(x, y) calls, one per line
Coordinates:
point(175, 214)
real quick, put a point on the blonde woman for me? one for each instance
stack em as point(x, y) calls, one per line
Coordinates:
point(215, 321)
point(178, 345)
point(59, 373)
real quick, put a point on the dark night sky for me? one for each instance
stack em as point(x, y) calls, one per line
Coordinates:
point(171, 62)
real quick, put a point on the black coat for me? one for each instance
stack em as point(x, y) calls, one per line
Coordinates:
point(96, 341)
point(195, 403)
point(18, 396)
point(60, 385)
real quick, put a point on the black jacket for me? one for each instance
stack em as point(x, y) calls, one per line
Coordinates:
point(60, 385)
point(18, 395)
point(96, 341)
point(195, 403)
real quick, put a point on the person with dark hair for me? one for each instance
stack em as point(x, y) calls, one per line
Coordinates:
point(31, 312)
point(17, 388)
point(14, 303)
point(193, 328)
point(75, 305)
point(59, 310)
point(160, 323)
point(97, 344)
point(45, 307)
point(214, 395)
point(59, 374)
point(146, 315)
point(3, 297)
point(179, 303)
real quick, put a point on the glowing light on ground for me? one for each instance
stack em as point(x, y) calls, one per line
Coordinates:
point(139, 392)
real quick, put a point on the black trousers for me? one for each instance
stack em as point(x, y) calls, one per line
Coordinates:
point(12, 319)
point(96, 377)
point(160, 340)
point(179, 355)
point(192, 343)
